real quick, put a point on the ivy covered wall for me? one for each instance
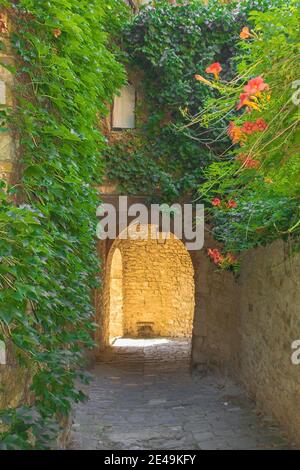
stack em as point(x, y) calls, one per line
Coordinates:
point(164, 46)
point(65, 72)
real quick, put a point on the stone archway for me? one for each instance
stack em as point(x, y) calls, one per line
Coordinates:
point(149, 289)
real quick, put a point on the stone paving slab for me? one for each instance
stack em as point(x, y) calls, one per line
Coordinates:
point(143, 396)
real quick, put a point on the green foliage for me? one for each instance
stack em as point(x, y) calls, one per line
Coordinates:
point(66, 72)
point(169, 44)
point(268, 196)
point(128, 163)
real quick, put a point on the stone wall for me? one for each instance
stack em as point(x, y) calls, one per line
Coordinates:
point(14, 382)
point(157, 283)
point(7, 141)
point(269, 321)
point(246, 326)
point(215, 339)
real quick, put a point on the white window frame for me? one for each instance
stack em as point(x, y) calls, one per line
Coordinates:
point(119, 129)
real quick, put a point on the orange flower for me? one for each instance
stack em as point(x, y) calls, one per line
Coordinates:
point(248, 127)
point(231, 204)
point(268, 180)
point(255, 86)
point(215, 255)
point(56, 33)
point(245, 33)
point(261, 125)
point(202, 79)
point(216, 202)
point(221, 260)
point(258, 126)
point(231, 259)
point(248, 162)
point(251, 163)
point(215, 69)
point(252, 91)
point(245, 100)
point(235, 133)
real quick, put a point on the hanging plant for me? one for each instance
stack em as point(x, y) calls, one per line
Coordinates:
point(261, 169)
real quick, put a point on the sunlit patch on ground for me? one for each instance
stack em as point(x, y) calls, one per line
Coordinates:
point(144, 396)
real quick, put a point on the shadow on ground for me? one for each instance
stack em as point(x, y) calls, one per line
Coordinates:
point(144, 396)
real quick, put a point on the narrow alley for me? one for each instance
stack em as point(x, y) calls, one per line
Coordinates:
point(143, 396)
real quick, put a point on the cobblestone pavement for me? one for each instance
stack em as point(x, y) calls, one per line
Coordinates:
point(143, 396)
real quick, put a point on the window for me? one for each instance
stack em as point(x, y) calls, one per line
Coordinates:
point(123, 112)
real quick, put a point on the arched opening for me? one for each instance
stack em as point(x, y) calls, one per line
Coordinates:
point(150, 286)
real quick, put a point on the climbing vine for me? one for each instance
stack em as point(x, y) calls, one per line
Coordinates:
point(167, 45)
point(260, 172)
point(66, 72)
